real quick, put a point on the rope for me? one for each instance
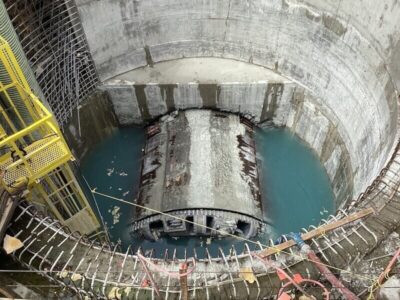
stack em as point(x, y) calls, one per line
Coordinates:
point(163, 270)
point(384, 275)
point(333, 280)
point(117, 272)
point(94, 191)
point(97, 207)
point(280, 270)
point(179, 218)
point(325, 293)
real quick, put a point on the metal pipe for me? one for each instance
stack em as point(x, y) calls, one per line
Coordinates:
point(349, 295)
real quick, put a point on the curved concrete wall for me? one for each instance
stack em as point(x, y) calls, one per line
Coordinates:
point(273, 100)
point(344, 53)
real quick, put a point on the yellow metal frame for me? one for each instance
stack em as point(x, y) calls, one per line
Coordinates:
point(33, 152)
point(33, 143)
point(11, 64)
point(57, 194)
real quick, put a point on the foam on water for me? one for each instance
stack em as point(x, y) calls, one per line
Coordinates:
point(113, 167)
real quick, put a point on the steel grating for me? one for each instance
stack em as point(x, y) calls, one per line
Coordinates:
point(54, 43)
point(40, 155)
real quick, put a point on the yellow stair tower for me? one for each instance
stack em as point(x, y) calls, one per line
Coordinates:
point(33, 152)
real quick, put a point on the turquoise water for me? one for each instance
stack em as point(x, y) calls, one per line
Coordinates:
point(113, 168)
point(296, 186)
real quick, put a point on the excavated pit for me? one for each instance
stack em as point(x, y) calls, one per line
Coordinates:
point(332, 79)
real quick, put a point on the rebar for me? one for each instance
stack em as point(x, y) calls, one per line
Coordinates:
point(54, 43)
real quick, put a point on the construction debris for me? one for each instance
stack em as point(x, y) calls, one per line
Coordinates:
point(11, 244)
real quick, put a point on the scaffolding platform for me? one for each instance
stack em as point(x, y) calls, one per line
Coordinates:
point(34, 156)
point(41, 156)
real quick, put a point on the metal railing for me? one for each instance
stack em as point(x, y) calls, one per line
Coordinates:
point(53, 41)
point(33, 153)
point(31, 145)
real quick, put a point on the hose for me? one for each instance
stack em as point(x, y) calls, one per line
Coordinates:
point(323, 269)
point(172, 274)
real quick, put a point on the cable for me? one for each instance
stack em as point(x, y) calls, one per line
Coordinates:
point(277, 287)
point(163, 270)
point(94, 191)
point(375, 286)
point(174, 286)
point(97, 206)
point(197, 272)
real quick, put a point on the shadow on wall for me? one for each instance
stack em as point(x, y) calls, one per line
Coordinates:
point(93, 122)
point(338, 56)
point(284, 104)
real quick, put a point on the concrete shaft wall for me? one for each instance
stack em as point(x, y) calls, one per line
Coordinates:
point(345, 54)
point(281, 102)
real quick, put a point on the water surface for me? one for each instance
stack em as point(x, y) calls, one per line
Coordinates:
point(296, 187)
point(114, 168)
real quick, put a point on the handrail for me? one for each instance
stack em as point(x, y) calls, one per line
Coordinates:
point(13, 71)
point(23, 132)
point(27, 156)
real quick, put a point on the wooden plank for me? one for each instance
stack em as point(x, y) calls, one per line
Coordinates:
point(318, 231)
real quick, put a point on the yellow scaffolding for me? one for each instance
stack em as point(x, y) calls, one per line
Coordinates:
point(33, 152)
point(65, 198)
